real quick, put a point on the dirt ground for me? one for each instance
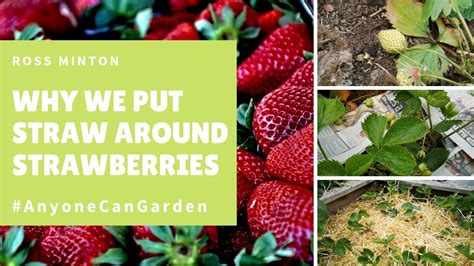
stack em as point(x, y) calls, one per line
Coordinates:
point(348, 50)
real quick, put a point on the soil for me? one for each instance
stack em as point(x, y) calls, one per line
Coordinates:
point(348, 49)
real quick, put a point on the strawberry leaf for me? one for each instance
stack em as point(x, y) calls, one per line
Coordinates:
point(446, 125)
point(435, 158)
point(152, 247)
point(430, 257)
point(114, 256)
point(465, 250)
point(374, 127)
point(358, 164)
point(433, 8)
point(423, 63)
point(448, 35)
point(437, 98)
point(397, 159)
point(412, 102)
point(405, 130)
point(331, 168)
point(154, 261)
point(329, 110)
point(406, 16)
point(209, 259)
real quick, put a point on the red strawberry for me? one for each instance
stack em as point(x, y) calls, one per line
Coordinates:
point(76, 245)
point(184, 31)
point(251, 167)
point(279, 55)
point(286, 209)
point(4, 230)
point(53, 16)
point(269, 21)
point(180, 5)
point(251, 171)
point(161, 26)
point(292, 159)
point(285, 110)
point(78, 6)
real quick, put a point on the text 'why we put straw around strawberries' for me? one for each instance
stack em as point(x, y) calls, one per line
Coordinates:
point(123, 132)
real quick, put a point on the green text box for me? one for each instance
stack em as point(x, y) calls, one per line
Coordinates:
point(204, 71)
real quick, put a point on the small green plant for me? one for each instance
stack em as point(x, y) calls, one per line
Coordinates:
point(424, 190)
point(354, 220)
point(383, 241)
point(466, 251)
point(410, 209)
point(338, 247)
point(367, 257)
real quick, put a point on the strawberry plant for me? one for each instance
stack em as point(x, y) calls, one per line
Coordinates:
point(443, 27)
point(367, 257)
point(354, 220)
point(384, 241)
point(412, 145)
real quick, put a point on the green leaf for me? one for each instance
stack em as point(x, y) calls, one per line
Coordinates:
point(423, 60)
point(154, 261)
point(430, 257)
point(103, 17)
point(246, 259)
point(119, 233)
point(249, 33)
point(30, 32)
point(35, 263)
point(13, 240)
point(410, 209)
point(435, 158)
point(407, 256)
point(206, 28)
point(397, 159)
point(448, 35)
point(468, 13)
point(449, 110)
point(374, 127)
point(412, 102)
point(162, 232)
point(405, 130)
point(433, 8)
point(264, 245)
point(447, 202)
point(331, 168)
point(21, 256)
point(209, 259)
point(152, 247)
point(438, 98)
point(326, 242)
point(383, 241)
point(329, 110)
point(341, 246)
point(323, 215)
point(114, 256)
point(245, 114)
point(446, 125)
point(358, 164)
point(406, 16)
point(465, 250)
point(142, 20)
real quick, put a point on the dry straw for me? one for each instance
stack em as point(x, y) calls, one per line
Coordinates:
point(411, 233)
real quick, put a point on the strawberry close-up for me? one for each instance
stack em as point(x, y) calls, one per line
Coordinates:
point(285, 110)
point(275, 60)
point(183, 31)
point(293, 159)
point(269, 21)
point(286, 209)
point(251, 18)
point(76, 245)
point(53, 16)
point(163, 25)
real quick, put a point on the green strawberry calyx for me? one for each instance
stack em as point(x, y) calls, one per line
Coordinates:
point(227, 27)
point(245, 137)
point(181, 248)
point(11, 253)
point(265, 250)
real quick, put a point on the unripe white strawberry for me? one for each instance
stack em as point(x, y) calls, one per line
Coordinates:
point(392, 41)
point(403, 79)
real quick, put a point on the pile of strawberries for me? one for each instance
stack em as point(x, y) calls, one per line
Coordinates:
point(275, 135)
